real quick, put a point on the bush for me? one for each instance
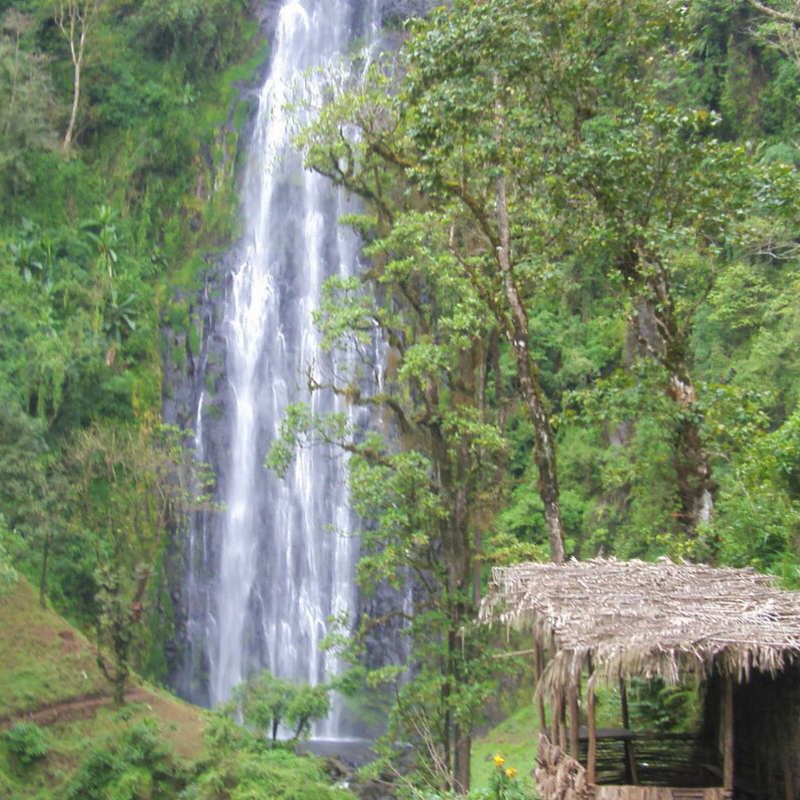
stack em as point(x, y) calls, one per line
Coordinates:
point(139, 766)
point(267, 702)
point(26, 742)
point(248, 774)
point(8, 575)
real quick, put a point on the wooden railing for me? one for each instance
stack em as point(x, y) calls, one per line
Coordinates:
point(667, 767)
point(656, 793)
point(651, 759)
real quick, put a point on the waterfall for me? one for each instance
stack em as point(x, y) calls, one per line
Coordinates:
point(275, 571)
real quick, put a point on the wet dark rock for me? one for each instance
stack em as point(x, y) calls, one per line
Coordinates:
point(393, 11)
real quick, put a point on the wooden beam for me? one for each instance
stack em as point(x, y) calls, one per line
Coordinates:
point(623, 701)
point(574, 722)
point(631, 771)
point(727, 734)
point(556, 720)
point(591, 756)
point(562, 715)
point(514, 654)
point(539, 672)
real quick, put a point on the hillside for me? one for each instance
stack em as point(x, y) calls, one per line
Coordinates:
point(43, 660)
point(155, 747)
point(48, 675)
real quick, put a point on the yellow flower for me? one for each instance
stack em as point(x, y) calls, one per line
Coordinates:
point(511, 773)
point(499, 761)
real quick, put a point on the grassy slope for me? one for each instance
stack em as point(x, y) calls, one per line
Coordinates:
point(515, 739)
point(44, 661)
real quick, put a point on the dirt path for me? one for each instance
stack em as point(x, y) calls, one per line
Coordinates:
point(81, 707)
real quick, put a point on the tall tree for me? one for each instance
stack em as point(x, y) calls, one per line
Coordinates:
point(75, 19)
point(501, 108)
point(452, 130)
point(132, 487)
point(426, 499)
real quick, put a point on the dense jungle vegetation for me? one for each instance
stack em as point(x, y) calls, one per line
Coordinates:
point(581, 219)
point(105, 216)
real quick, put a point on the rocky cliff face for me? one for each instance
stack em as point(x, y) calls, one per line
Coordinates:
point(196, 398)
point(394, 11)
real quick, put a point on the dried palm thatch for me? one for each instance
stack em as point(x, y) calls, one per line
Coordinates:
point(638, 619)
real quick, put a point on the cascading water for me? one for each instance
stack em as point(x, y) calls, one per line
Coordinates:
point(274, 571)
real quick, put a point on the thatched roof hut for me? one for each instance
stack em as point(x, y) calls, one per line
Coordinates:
point(608, 621)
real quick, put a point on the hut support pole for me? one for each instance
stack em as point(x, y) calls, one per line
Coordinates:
point(539, 672)
point(591, 757)
point(562, 714)
point(727, 735)
point(556, 704)
point(631, 773)
point(574, 722)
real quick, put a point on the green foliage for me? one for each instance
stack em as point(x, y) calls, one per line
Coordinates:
point(140, 766)
point(267, 702)
point(643, 155)
point(134, 485)
point(649, 161)
point(26, 99)
point(90, 242)
point(26, 742)
point(8, 575)
point(240, 767)
point(656, 706)
point(197, 35)
point(511, 738)
point(504, 783)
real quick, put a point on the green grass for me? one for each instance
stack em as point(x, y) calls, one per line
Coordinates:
point(69, 743)
point(515, 739)
point(43, 659)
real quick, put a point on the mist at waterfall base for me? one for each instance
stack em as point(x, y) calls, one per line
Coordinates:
point(265, 574)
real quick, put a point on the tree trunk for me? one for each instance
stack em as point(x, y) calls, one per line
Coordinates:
point(662, 338)
point(462, 746)
point(43, 576)
point(74, 17)
point(76, 98)
point(696, 488)
point(544, 452)
point(120, 681)
point(447, 716)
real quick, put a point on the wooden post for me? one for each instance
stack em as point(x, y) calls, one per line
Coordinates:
point(556, 732)
point(631, 772)
point(727, 735)
point(562, 715)
point(574, 722)
point(539, 672)
point(591, 756)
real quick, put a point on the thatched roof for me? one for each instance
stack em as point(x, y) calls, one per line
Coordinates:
point(638, 619)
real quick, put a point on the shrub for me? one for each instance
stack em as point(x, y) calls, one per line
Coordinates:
point(26, 742)
point(139, 766)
